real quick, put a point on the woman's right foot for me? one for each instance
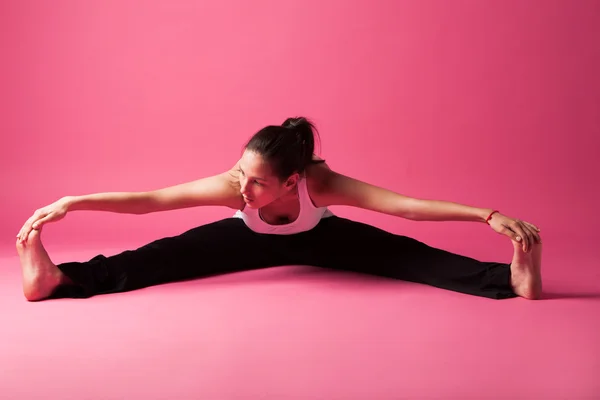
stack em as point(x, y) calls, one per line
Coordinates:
point(40, 276)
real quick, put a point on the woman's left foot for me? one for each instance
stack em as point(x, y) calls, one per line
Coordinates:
point(526, 271)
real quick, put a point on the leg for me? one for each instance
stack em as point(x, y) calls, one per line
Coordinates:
point(340, 243)
point(219, 247)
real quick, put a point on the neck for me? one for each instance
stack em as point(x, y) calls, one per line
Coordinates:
point(283, 202)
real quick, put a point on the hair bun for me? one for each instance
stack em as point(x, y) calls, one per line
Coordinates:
point(288, 147)
point(294, 122)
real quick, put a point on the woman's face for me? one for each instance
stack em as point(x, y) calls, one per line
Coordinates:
point(258, 185)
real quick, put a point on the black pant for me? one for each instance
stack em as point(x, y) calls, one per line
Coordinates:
point(338, 243)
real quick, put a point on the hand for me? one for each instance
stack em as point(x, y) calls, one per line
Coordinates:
point(53, 212)
point(517, 230)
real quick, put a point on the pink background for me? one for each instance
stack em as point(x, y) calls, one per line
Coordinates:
point(493, 104)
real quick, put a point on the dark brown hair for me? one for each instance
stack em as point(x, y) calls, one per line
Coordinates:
point(288, 148)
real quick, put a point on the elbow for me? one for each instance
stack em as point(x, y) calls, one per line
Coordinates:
point(409, 215)
point(409, 209)
point(148, 202)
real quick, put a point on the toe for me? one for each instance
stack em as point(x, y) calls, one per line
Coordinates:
point(20, 246)
point(34, 236)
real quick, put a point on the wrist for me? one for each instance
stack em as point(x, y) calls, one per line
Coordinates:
point(70, 202)
point(489, 214)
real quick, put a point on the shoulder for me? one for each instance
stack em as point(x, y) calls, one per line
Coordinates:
point(329, 188)
point(232, 175)
point(318, 177)
point(232, 178)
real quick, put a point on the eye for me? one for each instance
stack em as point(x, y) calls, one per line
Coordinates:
point(255, 181)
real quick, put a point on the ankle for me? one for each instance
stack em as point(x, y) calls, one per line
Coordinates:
point(65, 280)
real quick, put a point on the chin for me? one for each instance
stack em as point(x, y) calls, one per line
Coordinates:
point(251, 204)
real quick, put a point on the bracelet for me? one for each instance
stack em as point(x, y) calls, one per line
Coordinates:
point(490, 216)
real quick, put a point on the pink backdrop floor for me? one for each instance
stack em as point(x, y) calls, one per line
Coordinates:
point(298, 332)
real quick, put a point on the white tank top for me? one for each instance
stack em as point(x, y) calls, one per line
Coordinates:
point(308, 217)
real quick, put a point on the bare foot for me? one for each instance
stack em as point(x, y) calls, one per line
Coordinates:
point(40, 275)
point(526, 271)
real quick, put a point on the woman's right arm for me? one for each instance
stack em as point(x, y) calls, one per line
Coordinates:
point(222, 189)
point(218, 190)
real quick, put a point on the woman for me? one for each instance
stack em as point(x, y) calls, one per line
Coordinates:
point(281, 192)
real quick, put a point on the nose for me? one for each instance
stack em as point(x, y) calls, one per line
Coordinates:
point(243, 186)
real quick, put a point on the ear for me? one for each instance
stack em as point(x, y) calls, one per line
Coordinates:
point(291, 181)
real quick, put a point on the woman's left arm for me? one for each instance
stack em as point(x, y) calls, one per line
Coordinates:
point(338, 189)
point(518, 230)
